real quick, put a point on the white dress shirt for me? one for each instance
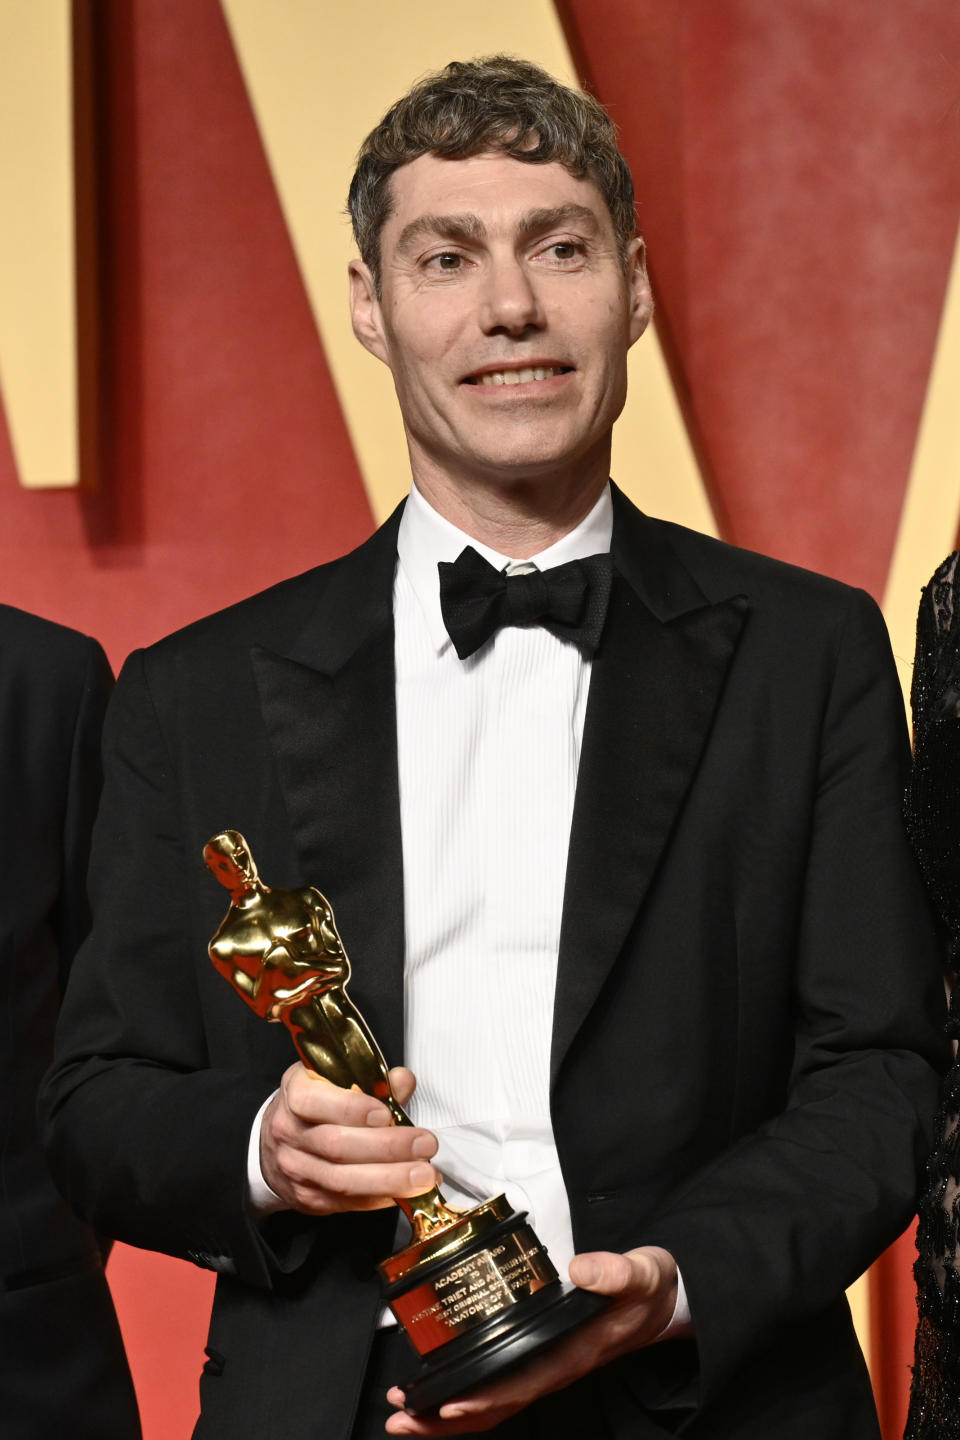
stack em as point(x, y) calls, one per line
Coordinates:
point(488, 752)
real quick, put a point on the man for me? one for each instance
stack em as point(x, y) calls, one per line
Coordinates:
point(624, 880)
point(62, 1366)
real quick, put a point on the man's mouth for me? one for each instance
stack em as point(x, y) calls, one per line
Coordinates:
point(522, 376)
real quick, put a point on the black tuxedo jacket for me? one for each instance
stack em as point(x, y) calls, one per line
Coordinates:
point(62, 1366)
point(748, 1006)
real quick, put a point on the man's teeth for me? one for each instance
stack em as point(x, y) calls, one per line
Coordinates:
point(519, 377)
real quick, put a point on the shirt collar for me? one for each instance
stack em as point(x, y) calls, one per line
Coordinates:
point(425, 538)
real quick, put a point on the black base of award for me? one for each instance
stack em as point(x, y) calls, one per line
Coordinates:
point(493, 1347)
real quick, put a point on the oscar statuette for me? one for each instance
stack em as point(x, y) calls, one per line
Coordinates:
point(474, 1290)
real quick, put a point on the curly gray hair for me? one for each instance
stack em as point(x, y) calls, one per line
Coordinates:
point(493, 104)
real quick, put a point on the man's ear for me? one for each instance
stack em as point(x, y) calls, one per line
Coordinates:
point(638, 285)
point(365, 310)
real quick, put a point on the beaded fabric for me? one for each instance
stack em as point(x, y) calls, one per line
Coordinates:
point(933, 820)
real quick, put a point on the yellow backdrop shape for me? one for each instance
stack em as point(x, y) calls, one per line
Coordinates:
point(931, 507)
point(38, 328)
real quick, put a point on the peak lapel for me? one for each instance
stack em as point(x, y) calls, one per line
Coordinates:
point(329, 708)
point(656, 682)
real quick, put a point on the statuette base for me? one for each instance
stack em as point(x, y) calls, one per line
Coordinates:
point(496, 1346)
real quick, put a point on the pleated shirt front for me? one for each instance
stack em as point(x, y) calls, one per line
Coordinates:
point(488, 749)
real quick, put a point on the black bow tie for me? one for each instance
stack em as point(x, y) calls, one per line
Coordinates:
point(570, 600)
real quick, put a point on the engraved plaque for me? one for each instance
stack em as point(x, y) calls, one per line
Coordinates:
point(469, 1292)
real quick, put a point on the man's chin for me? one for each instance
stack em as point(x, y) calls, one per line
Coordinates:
point(519, 464)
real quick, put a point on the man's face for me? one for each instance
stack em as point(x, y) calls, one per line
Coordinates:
point(505, 316)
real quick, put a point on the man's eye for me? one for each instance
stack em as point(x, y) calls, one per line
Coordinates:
point(447, 261)
point(564, 250)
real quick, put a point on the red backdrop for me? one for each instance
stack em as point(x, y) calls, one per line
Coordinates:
point(225, 462)
point(799, 189)
point(798, 181)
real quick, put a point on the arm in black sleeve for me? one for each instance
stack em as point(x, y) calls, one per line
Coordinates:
point(146, 1134)
point(770, 1232)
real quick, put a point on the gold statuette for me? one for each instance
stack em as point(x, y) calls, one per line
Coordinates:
point(474, 1290)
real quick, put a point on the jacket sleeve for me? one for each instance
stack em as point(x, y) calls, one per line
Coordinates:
point(147, 1136)
point(769, 1233)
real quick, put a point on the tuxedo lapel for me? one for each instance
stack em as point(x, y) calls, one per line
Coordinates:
point(329, 706)
point(656, 683)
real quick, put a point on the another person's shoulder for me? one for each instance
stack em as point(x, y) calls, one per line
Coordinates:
point(35, 652)
point(945, 574)
point(22, 632)
point(939, 609)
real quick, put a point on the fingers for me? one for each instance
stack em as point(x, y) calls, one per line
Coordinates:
point(324, 1149)
point(318, 1187)
point(446, 1423)
point(402, 1082)
point(641, 1284)
point(606, 1273)
point(316, 1101)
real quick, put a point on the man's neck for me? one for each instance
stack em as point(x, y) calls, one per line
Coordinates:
point(519, 520)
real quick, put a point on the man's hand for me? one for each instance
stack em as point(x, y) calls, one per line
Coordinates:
point(324, 1149)
point(644, 1286)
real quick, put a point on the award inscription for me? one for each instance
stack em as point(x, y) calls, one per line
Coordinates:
point(468, 1293)
point(474, 1289)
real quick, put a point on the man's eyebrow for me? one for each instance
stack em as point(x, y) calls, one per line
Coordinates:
point(556, 216)
point(446, 227)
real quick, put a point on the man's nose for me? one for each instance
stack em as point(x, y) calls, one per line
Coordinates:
point(510, 300)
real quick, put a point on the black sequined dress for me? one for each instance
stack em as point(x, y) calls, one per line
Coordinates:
point(933, 814)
